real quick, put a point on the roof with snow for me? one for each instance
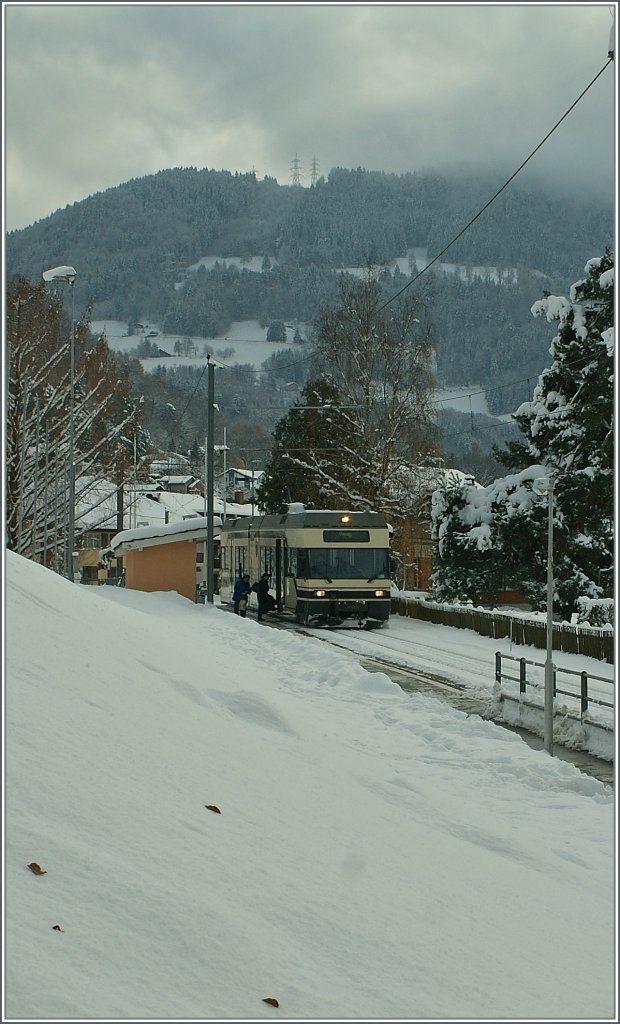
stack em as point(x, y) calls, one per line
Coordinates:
point(150, 536)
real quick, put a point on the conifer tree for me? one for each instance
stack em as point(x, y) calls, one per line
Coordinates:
point(569, 425)
point(306, 441)
point(568, 433)
point(276, 331)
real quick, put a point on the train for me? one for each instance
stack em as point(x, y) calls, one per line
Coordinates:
point(327, 568)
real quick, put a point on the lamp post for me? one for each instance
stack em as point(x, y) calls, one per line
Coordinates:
point(67, 275)
point(544, 485)
point(223, 449)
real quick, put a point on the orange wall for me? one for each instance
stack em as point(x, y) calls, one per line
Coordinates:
point(163, 567)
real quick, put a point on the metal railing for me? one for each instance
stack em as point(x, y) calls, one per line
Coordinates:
point(580, 693)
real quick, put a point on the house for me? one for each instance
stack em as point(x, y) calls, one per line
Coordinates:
point(163, 558)
point(101, 509)
point(173, 462)
point(242, 483)
point(186, 484)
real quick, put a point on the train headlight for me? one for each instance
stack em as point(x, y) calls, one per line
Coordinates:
point(345, 519)
point(320, 593)
point(380, 593)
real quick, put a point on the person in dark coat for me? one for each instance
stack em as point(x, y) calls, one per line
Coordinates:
point(266, 603)
point(241, 593)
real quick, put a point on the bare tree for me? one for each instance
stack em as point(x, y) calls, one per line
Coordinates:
point(378, 357)
point(106, 419)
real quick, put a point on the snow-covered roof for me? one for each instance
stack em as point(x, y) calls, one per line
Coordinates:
point(178, 479)
point(150, 536)
point(97, 505)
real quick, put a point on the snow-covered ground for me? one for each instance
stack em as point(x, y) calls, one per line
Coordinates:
point(244, 343)
point(246, 340)
point(469, 399)
point(464, 657)
point(378, 855)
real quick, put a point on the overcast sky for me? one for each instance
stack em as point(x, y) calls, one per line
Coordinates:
point(97, 94)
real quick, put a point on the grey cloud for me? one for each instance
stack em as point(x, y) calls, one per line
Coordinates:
point(97, 94)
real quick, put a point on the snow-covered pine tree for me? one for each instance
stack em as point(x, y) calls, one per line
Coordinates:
point(488, 538)
point(481, 535)
point(276, 331)
point(569, 425)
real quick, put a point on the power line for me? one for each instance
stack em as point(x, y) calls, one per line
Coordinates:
point(499, 191)
point(296, 171)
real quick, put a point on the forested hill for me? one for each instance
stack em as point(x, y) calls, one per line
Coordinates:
point(132, 246)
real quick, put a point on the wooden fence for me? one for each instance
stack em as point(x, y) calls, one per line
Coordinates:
point(589, 641)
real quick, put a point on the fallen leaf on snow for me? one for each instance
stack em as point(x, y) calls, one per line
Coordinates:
point(271, 1000)
point(213, 807)
point(36, 868)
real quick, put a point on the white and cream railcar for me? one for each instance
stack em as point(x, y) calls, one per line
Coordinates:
point(327, 568)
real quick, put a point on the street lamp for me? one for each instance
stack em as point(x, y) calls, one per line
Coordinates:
point(544, 485)
point(67, 275)
point(209, 473)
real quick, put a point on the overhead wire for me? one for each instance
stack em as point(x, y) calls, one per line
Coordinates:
point(500, 190)
point(412, 281)
point(438, 401)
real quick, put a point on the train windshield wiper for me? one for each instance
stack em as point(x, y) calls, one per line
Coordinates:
point(323, 577)
point(371, 579)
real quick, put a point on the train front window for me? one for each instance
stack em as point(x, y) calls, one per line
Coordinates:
point(344, 563)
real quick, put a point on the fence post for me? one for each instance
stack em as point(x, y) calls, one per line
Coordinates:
point(498, 675)
point(584, 692)
point(522, 679)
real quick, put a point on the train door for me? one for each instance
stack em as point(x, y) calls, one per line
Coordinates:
point(289, 562)
point(278, 579)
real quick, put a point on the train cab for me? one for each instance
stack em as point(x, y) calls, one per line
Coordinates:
point(327, 568)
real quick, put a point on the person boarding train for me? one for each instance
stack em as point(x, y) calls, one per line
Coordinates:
point(241, 593)
point(266, 601)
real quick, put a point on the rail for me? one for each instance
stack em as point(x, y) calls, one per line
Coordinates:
point(580, 694)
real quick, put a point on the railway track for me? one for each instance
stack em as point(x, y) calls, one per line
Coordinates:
point(410, 679)
point(432, 684)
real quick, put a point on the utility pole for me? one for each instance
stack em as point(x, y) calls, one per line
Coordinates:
point(314, 171)
point(209, 481)
point(71, 527)
point(544, 485)
point(549, 670)
point(225, 481)
point(67, 275)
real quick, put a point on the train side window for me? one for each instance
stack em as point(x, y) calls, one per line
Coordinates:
point(290, 562)
point(267, 560)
